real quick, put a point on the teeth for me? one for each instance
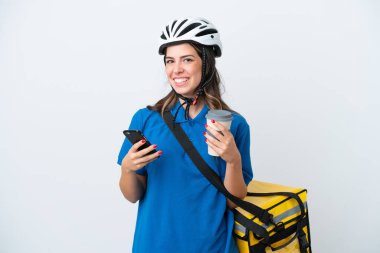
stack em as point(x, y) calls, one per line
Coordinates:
point(180, 80)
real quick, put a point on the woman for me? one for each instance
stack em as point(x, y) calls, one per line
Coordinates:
point(179, 209)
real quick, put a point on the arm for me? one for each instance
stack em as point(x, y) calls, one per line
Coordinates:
point(234, 181)
point(132, 185)
point(226, 148)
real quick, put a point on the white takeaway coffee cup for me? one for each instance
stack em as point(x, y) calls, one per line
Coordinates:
point(223, 117)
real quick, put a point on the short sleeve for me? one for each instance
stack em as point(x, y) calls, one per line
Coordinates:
point(136, 124)
point(243, 143)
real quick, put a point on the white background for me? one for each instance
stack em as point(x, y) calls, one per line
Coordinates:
point(72, 73)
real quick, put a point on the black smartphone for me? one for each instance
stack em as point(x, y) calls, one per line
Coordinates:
point(135, 136)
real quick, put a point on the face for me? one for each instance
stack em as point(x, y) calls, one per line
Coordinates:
point(183, 69)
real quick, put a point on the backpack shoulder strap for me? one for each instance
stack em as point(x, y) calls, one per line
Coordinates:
point(204, 168)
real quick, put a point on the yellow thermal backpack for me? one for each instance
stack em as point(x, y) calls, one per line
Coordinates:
point(271, 217)
point(285, 230)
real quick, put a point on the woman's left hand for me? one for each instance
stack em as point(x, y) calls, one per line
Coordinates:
point(225, 146)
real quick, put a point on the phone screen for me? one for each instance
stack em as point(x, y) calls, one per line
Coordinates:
point(135, 136)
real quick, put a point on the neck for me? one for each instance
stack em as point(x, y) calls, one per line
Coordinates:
point(194, 109)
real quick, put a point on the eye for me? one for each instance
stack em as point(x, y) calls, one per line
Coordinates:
point(188, 60)
point(168, 61)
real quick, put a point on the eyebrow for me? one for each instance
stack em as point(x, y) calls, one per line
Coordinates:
point(184, 56)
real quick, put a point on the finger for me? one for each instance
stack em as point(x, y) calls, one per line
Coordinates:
point(145, 163)
point(214, 132)
point(154, 156)
point(137, 145)
point(211, 140)
point(146, 150)
point(211, 144)
point(147, 159)
point(221, 127)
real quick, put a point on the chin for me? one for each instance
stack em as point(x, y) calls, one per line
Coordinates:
point(188, 95)
point(185, 92)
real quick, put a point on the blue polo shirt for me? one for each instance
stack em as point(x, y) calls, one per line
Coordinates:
point(181, 211)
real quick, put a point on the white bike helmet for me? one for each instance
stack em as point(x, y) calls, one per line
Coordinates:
point(191, 29)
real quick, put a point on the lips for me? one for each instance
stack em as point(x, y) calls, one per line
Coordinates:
point(180, 81)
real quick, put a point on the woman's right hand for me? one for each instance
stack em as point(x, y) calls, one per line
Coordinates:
point(135, 160)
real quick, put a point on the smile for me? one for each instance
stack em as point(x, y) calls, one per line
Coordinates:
point(180, 80)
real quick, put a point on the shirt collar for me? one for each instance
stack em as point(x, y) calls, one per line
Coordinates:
point(181, 114)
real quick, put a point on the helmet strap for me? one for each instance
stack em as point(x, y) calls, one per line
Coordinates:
point(192, 101)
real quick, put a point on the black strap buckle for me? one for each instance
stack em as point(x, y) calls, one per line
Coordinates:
point(267, 218)
point(302, 239)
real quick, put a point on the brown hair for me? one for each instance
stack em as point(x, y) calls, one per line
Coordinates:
point(212, 92)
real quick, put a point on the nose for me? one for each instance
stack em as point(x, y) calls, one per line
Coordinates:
point(178, 67)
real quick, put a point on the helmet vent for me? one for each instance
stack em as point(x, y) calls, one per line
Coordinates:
point(179, 26)
point(167, 29)
point(206, 32)
point(175, 21)
point(203, 26)
point(163, 36)
point(205, 21)
point(189, 28)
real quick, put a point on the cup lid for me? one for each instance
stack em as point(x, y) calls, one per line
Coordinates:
point(219, 115)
